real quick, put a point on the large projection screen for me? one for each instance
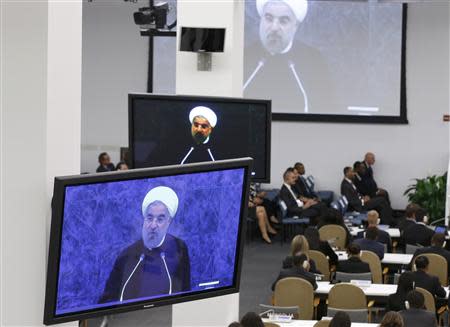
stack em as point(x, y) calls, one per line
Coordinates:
point(327, 60)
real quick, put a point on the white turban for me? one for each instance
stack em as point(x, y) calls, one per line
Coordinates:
point(204, 112)
point(299, 7)
point(163, 194)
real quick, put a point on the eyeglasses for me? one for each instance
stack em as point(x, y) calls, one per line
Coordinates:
point(158, 220)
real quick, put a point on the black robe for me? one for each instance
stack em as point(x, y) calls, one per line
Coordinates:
point(150, 278)
point(275, 79)
point(199, 153)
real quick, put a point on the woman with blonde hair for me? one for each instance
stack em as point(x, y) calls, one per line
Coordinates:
point(299, 245)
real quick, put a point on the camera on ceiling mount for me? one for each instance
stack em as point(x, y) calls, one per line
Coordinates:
point(152, 20)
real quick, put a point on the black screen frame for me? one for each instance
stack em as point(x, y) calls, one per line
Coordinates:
point(267, 103)
point(60, 184)
point(190, 29)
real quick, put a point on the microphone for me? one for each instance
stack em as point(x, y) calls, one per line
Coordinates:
point(129, 277)
point(163, 257)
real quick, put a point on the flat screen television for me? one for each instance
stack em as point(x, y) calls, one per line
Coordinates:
point(175, 129)
point(143, 238)
point(195, 39)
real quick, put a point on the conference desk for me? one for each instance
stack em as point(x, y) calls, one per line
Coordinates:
point(373, 291)
point(399, 259)
point(393, 232)
point(311, 323)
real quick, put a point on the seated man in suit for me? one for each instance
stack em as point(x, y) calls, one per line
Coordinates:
point(301, 183)
point(369, 243)
point(358, 202)
point(419, 233)
point(415, 314)
point(369, 181)
point(300, 269)
point(437, 247)
point(383, 236)
point(353, 264)
point(424, 280)
point(295, 206)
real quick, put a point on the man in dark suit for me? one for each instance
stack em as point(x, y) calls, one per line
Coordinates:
point(419, 233)
point(300, 269)
point(353, 264)
point(415, 315)
point(424, 280)
point(367, 176)
point(358, 202)
point(301, 184)
point(369, 243)
point(105, 163)
point(437, 247)
point(383, 236)
point(296, 207)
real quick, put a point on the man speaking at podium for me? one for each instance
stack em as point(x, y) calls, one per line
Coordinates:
point(203, 120)
point(156, 264)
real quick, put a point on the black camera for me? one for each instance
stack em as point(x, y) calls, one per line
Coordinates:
point(154, 17)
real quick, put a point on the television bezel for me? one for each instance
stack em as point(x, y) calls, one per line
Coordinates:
point(267, 103)
point(60, 184)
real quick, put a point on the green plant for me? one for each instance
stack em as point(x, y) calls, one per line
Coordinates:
point(429, 193)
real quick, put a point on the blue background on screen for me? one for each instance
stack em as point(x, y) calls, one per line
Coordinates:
point(100, 220)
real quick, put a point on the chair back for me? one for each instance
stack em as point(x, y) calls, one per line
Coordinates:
point(292, 291)
point(322, 323)
point(429, 299)
point(356, 315)
point(270, 324)
point(411, 249)
point(347, 277)
point(310, 182)
point(437, 267)
point(347, 296)
point(322, 263)
point(375, 266)
point(334, 234)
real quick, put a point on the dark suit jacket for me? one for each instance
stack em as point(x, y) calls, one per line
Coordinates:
point(368, 179)
point(430, 283)
point(352, 195)
point(103, 169)
point(353, 265)
point(405, 223)
point(288, 262)
point(383, 238)
point(370, 245)
point(292, 207)
point(363, 186)
point(436, 250)
point(418, 234)
point(296, 272)
point(303, 189)
point(418, 318)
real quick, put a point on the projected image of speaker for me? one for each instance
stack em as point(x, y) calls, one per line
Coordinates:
point(167, 130)
point(136, 239)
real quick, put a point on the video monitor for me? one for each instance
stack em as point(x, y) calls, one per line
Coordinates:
point(123, 241)
point(172, 129)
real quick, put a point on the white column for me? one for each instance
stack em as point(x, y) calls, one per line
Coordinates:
point(39, 138)
point(447, 202)
point(225, 79)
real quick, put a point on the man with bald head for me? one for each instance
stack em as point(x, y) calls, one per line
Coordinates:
point(203, 120)
point(367, 179)
point(383, 237)
point(281, 69)
point(156, 264)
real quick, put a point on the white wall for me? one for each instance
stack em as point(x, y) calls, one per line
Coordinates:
point(403, 152)
point(40, 138)
point(115, 59)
